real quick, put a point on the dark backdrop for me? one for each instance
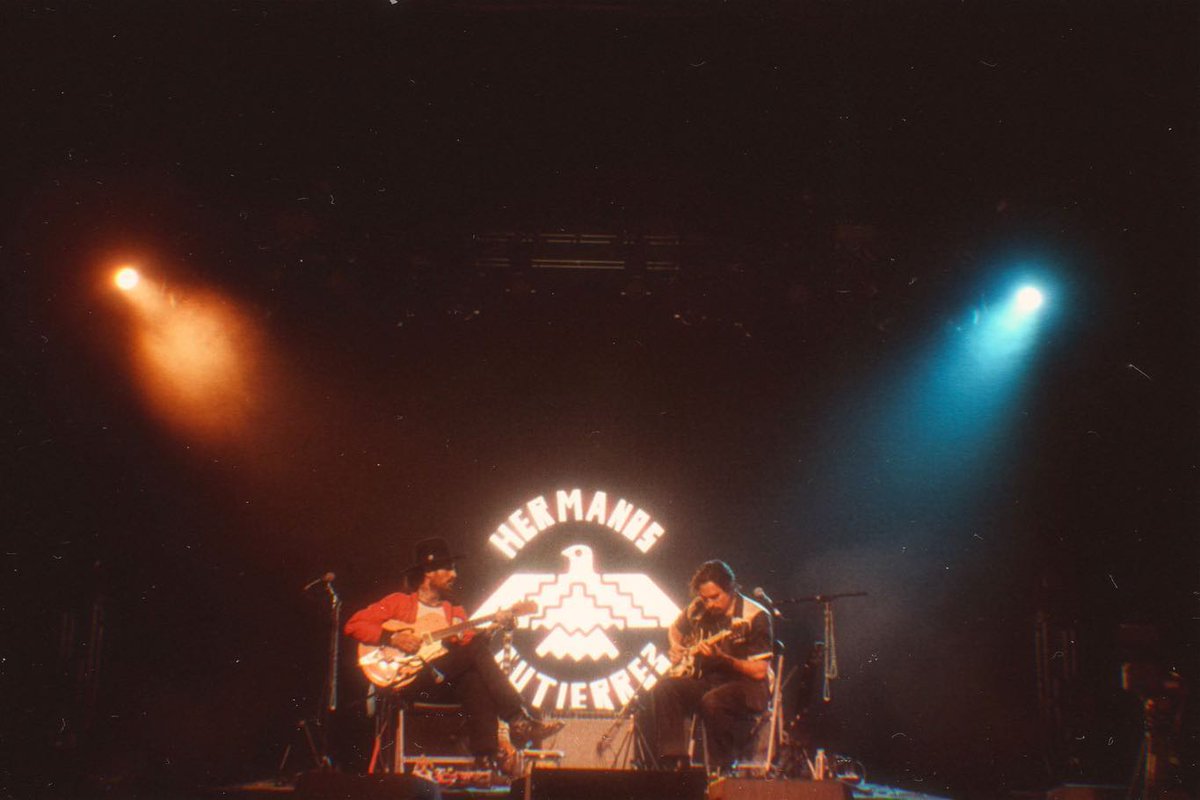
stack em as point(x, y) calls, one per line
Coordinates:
point(328, 167)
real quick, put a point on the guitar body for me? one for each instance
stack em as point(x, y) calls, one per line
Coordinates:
point(686, 668)
point(391, 668)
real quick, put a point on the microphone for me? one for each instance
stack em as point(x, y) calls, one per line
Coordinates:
point(326, 578)
point(766, 600)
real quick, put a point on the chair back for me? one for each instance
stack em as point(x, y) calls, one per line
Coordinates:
point(765, 735)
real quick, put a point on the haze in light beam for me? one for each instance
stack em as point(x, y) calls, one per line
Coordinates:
point(196, 359)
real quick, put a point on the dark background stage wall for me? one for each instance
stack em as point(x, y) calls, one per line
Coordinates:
point(362, 192)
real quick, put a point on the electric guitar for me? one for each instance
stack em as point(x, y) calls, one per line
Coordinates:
point(686, 668)
point(391, 668)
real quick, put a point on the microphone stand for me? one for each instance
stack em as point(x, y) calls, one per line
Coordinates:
point(831, 665)
point(335, 648)
point(329, 703)
point(633, 737)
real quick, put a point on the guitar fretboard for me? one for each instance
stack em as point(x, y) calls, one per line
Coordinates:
point(716, 637)
point(454, 630)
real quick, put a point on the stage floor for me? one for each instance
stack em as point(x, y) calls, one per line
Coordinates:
point(273, 789)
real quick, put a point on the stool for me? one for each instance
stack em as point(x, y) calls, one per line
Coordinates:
point(758, 756)
point(431, 733)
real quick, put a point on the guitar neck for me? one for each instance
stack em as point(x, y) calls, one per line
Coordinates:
point(716, 637)
point(454, 630)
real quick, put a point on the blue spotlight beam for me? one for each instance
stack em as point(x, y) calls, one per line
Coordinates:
point(933, 437)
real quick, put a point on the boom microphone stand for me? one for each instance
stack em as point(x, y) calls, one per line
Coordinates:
point(817, 768)
point(831, 665)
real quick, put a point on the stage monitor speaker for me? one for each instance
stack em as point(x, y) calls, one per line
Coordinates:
point(606, 784)
point(594, 743)
point(327, 785)
point(754, 789)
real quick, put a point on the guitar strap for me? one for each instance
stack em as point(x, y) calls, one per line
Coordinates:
point(743, 617)
point(747, 611)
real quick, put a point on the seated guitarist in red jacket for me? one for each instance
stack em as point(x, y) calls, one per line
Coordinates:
point(468, 667)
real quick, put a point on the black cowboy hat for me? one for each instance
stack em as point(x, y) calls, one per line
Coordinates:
point(431, 554)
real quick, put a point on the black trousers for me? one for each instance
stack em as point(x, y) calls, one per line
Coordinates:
point(474, 680)
point(726, 703)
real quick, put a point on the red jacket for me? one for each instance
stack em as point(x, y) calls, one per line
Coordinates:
point(367, 625)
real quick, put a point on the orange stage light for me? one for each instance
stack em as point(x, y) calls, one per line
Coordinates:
point(127, 278)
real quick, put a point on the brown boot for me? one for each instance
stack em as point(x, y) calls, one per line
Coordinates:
point(525, 731)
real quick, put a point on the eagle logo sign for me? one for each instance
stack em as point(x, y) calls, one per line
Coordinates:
point(578, 606)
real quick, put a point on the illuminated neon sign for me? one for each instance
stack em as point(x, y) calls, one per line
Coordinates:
point(589, 619)
point(527, 522)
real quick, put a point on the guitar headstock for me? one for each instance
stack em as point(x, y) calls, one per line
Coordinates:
point(524, 608)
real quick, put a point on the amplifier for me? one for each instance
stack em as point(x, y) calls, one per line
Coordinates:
point(751, 789)
point(607, 784)
point(594, 742)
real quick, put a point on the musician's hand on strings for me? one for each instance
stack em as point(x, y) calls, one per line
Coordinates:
point(711, 650)
point(407, 641)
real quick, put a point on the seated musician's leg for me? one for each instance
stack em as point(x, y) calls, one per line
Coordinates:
point(383, 751)
point(672, 702)
point(428, 687)
point(482, 722)
point(728, 712)
point(508, 702)
point(523, 729)
point(475, 659)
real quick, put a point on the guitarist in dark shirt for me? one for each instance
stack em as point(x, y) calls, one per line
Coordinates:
point(721, 646)
point(467, 667)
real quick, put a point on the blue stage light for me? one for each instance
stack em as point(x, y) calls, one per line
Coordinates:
point(1029, 299)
